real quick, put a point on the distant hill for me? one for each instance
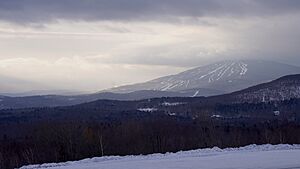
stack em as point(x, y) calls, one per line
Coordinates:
point(252, 103)
point(41, 92)
point(57, 100)
point(284, 88)
point(211, 80)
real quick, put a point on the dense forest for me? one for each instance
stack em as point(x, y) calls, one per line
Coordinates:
point(57, 141)
point(101, 128)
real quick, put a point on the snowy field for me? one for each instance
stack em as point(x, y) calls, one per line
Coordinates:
point(249, 157)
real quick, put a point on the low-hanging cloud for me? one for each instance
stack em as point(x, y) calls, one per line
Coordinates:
point(97, 44)
point(40, 11)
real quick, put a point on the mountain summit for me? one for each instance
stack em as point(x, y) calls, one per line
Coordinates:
point(221, 77)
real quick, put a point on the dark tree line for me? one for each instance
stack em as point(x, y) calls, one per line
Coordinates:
point(63, 141)
point(102, 128)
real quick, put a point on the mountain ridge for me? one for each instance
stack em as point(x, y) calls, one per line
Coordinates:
point(218, 81)
point(226, 76)
point(283, 88)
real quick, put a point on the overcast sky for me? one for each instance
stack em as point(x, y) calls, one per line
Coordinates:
point(89, 45)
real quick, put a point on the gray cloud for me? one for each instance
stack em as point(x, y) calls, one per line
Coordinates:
point(95, 55)
point(39, 11)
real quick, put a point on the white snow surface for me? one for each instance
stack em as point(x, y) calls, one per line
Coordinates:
point(147, 109)
point(216, 116)
point(267, 156)
point(172, 104)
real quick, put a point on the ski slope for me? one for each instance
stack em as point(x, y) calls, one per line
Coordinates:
point(220, 78)
point(249, 157)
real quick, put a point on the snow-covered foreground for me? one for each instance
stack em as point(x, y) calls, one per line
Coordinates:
point(249, 157)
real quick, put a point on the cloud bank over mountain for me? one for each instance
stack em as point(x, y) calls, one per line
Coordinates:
point(96, 44)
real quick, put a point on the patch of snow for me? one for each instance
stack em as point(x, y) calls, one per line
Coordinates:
point(196, 93)
point(201, 77)
point(172, 104)
point(216, 116)
point(168, 87)
point(267, 156)
point(211, 72)
point(221, 74)
point(147, 109)
point(172, 114)
point(231, 71)
point(244, 68)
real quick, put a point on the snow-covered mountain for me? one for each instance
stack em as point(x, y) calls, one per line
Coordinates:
point(215, 79)
point(224, 77)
